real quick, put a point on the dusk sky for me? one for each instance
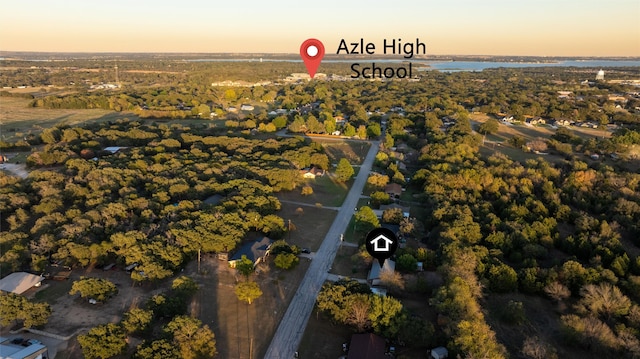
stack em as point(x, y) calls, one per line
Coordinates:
point(471, 27)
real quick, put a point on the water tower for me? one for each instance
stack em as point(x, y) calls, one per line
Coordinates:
point(600, 75)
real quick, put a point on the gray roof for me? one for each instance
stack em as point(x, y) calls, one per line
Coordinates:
point(19, 282)
point(374, 273)
point(253, 250)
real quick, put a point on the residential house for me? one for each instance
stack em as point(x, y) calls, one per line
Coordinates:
point(256, 251)
point(373, 278)
point(20, 282)
point(246, 107)
point(312, 172)
point(394, 190)
point(19, 348)
point(367, 346)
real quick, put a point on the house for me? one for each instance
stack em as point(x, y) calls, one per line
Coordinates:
point(367, 346)
point(256, 251)
point(403, 147)
point(113, 149)
point(374, 274)
point(245, 107)
point(312, 172)
point(18, 348)
point(394, 190)
point(535, 121)
point(20, 282)
point(213, 200)
point(439, 353)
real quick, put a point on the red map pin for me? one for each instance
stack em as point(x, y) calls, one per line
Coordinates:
point(312, 52)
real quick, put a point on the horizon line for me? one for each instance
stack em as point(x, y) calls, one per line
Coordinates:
point(359, 56)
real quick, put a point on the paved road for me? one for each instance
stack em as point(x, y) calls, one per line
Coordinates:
point(289, 334)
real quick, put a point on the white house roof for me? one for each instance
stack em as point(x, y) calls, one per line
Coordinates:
point(12, 351)
point(113, 149)
point(19, 282)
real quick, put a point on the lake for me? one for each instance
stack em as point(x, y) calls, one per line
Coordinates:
point(454, 66)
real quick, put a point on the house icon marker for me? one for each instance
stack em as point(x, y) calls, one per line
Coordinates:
point(381, 243)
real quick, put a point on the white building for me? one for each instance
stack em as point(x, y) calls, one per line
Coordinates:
point(600, 75)
point(21, 349)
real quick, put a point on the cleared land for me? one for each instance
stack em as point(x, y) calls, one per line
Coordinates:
point(18, 119)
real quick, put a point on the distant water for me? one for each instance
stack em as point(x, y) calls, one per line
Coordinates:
point(455, 66)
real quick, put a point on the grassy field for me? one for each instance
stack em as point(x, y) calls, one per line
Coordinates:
point(354, 151)
point(326, 191)
point(19, 119)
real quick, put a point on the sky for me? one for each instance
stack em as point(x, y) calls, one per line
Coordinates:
point(454, 27)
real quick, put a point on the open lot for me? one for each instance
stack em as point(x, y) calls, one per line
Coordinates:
point(18, 119)
point(353, 150)
point(326, 192)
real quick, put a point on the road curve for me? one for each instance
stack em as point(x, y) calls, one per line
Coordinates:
point(287, 338)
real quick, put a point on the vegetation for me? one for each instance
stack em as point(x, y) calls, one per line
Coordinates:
point(15, 307)
point(344, 171)
point(103, 341)
point(95, 288)
point(248, 291)
point(286, 260)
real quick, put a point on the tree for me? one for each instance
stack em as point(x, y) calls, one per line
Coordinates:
point(388, 141)
point(245, 266)
point(373, 130)
point(95, 288)
point(392, 280)
point(137, 320)
point(535, 348)
point(248, 291)
point(16, 307)
point(502, 278)
point(407, 263)
point(489, 127)
point(344, 171)
point(286, 260)
point(358, 308)
point(157, 349)
point(306, 191)
point(329, 126)
point(366, 219)
point(379, 197)
point(408, 226)
point(604, 299)
point(103, 341)
point(184, 286)
point(194, 341)
point(377, 180)
point(392, 215)
point(537, 145)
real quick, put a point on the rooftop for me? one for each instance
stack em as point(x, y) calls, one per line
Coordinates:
point(19, 282)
